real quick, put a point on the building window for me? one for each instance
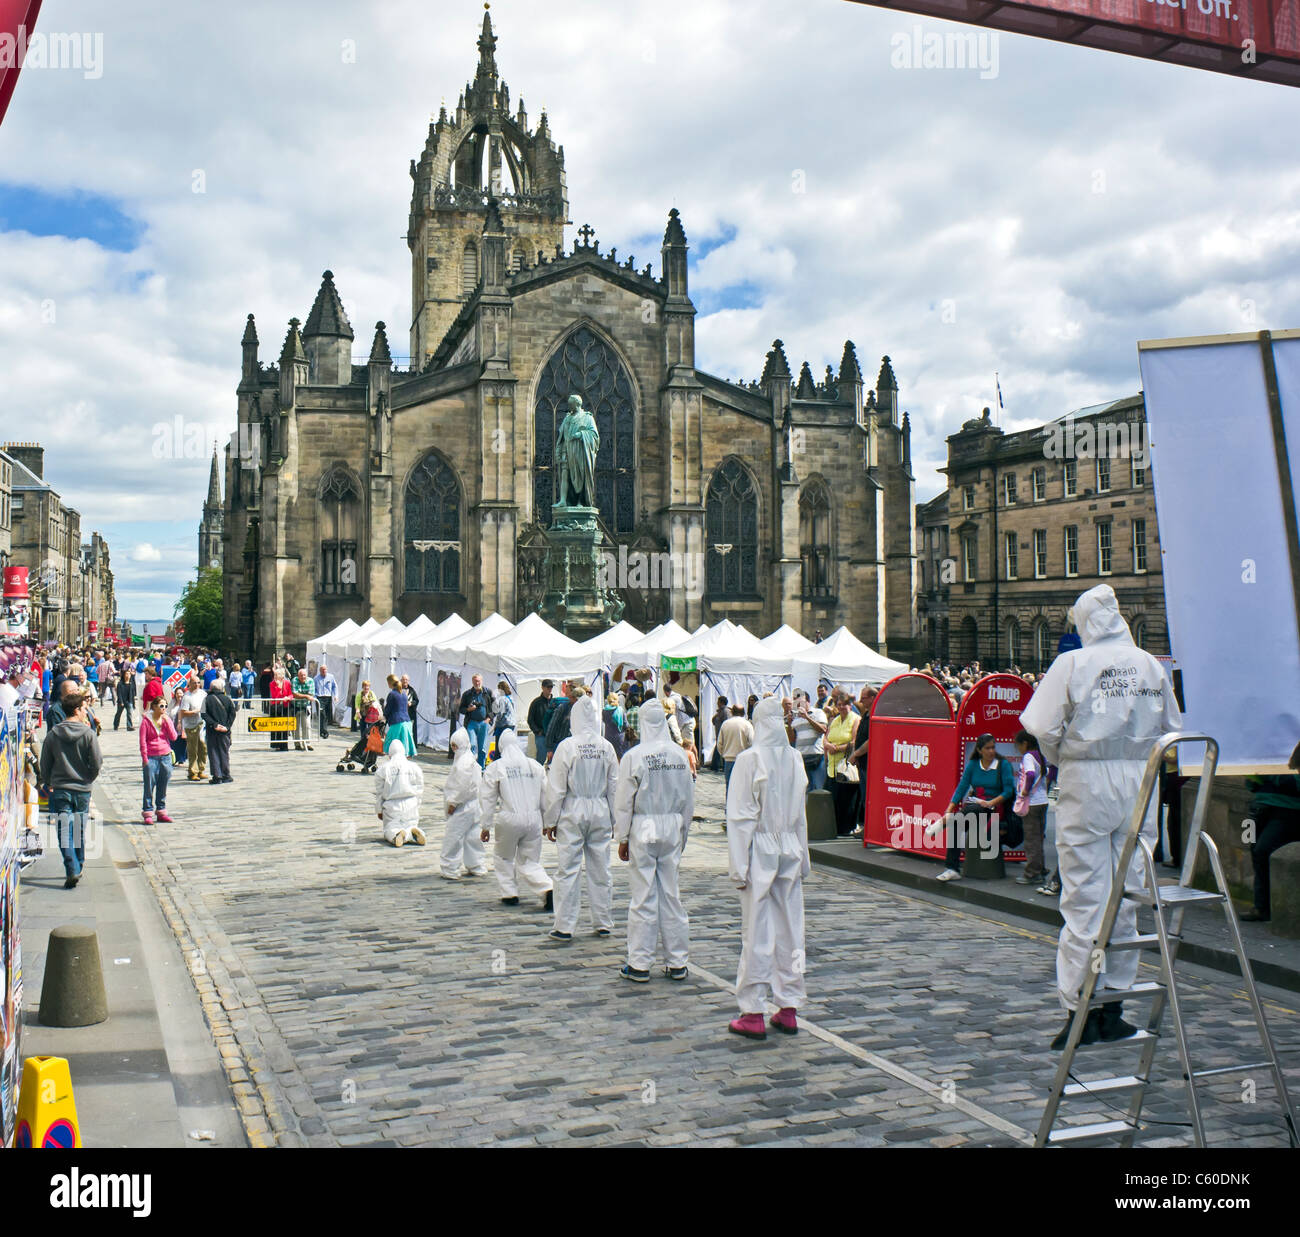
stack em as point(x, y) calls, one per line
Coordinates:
point(432, 529)
point(1009, 489)
point(1038, 480)
point(586, 365)
point(1139, 630)
point(469, 268)
point(1042, 644)
point(1040, 554)
point(1139, 545)
point(968, 641)
point(1103, 475)
point(340, 508)
point(1011, 556)
point(1139, 472)
point(815, 542)
point(969, 557)
point(1103, 548)
point(731, 530)
point(968, 497)
point(1071, 549)
point(516, 261)
point(1071, 478)
point(1013, 643)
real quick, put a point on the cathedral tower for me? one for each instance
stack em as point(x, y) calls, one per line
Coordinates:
point(484, 151)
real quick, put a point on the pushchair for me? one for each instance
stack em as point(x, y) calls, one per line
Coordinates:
point(363, 754)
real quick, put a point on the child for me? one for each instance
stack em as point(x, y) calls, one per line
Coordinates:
point(399, 787)
point(1031, 806)
point(460, 792)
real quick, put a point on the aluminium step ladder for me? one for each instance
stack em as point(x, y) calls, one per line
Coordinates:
point(1166, 938)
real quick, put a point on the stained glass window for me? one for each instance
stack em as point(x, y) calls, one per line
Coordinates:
point(431, 543)
point(586, 365)
point(731, 528)
point(340, 505)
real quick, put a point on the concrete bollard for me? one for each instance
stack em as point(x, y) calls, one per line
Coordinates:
point(821, 816)
point(72, 994)
point(1284, 890)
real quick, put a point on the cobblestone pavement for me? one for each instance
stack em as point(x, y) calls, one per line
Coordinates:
point(356, 998)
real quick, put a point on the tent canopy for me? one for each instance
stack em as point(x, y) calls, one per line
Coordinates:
point(646, 650)
point(344, 631)
point(617, 637)
point(416, 646)
point(842, 659)
point(338, 646)
point(787, 641)
point(422, 625)
point(385, 636)
point(450, 651)
point(729, 648)
point(531, 650)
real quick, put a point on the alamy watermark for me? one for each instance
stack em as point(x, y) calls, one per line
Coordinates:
point(657, 570)
point(58, 50)
point(182, 439)
point(952, 49)
point(1089, 440)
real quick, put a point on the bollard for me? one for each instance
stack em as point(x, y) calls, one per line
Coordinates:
point(72, 994)
point(1284, 890)
point(47, 1109)
point(821, 816)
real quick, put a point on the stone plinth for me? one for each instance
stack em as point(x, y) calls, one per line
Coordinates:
point(578, 598)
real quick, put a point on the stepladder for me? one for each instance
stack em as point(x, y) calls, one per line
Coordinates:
point(1124, 1094)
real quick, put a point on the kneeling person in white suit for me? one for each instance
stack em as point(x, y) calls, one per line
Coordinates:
point(460, 840)
point(578, 812)
point(652, 817)
point(767, 843)
point(512, 798)
point(399, 787)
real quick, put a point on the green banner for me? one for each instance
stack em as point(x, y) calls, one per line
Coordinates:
point(678, 665)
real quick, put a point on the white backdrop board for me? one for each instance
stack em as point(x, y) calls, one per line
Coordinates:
point(1228, 537)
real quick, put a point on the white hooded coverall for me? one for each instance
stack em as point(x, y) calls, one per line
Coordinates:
point(578, 802)
point(512, 797)
point(399, 786)
point(460, 840)
point(652, 813)
point(1096, 714)
point(767, 841)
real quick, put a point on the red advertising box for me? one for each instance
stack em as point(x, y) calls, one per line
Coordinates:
point(993, 706)
point(911, 765)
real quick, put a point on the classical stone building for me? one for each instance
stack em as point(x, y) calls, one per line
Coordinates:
point(364, 489)
point(933, 583)
point(1037, 517)
point(213, 521)
point(99, 602)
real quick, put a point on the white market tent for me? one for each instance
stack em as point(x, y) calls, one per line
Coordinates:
point(414, 647)
point(842, 660)
point(336, 648)
point(645, 651)
point(732, 662)
point(532, 650)
point(443, 677)
point(608, 642)
point(421, 625)
point(787, 641)
point(376, 651)
point(344, 631)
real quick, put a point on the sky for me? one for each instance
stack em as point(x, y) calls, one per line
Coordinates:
point(1033, 216)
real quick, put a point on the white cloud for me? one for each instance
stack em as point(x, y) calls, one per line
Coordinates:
point(145, 553)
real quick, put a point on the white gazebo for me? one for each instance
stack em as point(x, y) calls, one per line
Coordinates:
point(842, 660)
point(344, 631)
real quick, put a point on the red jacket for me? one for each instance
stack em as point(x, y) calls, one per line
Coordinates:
point(151, 689)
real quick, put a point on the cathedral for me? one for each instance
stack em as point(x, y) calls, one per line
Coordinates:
point(366, 489)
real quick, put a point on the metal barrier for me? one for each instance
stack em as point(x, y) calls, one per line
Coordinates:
point(261, 721)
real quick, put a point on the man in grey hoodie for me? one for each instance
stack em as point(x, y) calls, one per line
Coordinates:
point(69, 764)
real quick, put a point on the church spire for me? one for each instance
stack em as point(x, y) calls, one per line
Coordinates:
point(487, 54)
point(214, 482)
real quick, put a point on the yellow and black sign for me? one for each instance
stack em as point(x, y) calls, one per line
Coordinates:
point(260, 725)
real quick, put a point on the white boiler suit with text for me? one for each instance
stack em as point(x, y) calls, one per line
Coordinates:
point(399, 787)
point(512, 798)
point(460, 840)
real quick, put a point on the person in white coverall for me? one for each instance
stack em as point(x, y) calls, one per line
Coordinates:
point(1097, 713)
point(511, 798)
point(578, 813)
point(460, 840)
point(652, 817)
point(399, 787)
point(767, 842)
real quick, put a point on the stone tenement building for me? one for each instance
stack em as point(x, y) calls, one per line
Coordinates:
point(932, 591)
point(357, 490)
point(1035, 518)
point(71, 584)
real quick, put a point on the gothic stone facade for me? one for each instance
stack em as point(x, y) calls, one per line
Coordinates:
point(1037, 517)
point(358, 490)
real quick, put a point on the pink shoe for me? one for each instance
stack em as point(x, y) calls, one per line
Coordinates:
point(164, 817)
point(784, 1020)
point(147, 817)
point(749, 1025)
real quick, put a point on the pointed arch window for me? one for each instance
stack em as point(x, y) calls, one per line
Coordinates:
point(431, 533)
point(815, 542)
point(731, 531)
point(586, 365)
point(516, 260)
point(340, 518)
point(469, 268)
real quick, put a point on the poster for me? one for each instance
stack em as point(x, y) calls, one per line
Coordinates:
point(11, 995)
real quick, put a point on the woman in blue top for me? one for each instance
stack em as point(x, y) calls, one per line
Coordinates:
point(986, 786)
point(397, 715)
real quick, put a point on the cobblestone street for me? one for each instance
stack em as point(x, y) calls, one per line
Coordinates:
point(356, 998)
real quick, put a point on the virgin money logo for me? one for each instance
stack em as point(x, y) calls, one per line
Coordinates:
point(992, 712)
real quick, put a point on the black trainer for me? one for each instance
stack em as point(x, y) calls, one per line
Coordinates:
point(1112, 1025)
point(1091, 1031)
point(556, 935)
point(676, 972)
point(602, 932)
point(637, 977)
point(510, 901)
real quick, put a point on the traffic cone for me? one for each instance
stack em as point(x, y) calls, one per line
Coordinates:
point(47, 1111)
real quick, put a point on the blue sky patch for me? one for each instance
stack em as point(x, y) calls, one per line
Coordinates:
point(75, 214)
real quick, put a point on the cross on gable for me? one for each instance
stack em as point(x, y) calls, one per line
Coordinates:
point(586, 232)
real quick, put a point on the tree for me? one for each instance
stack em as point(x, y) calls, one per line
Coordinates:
point(200, 610)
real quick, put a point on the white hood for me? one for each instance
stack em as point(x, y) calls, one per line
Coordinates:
point(1096, 617)
point(769, 724)
point(584, 718)
point(654, 725)
point(508, 747)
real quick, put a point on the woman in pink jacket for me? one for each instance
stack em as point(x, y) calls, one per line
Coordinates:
point(157, 734)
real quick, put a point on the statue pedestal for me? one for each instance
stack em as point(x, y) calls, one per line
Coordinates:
point(577, 601)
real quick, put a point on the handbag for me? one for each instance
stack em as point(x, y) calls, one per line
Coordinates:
point(847, 772)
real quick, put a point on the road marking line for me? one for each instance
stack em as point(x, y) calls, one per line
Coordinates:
point(894, 1071)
